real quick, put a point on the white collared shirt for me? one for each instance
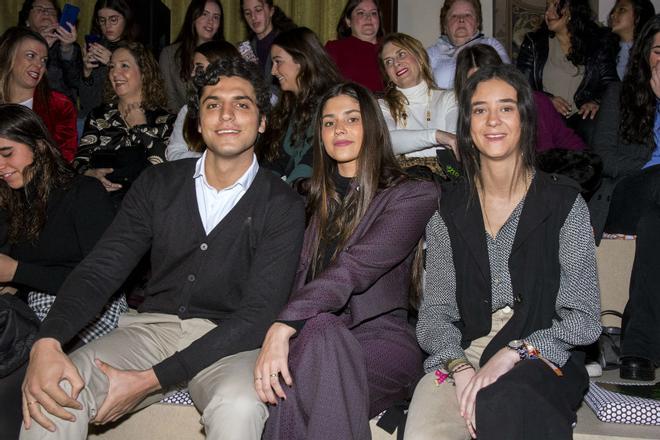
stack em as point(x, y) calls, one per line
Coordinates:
point(215, 204)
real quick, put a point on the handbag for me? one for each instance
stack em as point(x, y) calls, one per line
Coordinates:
point(18, 330)
point(609, 343)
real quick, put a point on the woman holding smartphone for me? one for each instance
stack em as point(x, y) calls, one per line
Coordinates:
point(113, 23)
point(64, 56)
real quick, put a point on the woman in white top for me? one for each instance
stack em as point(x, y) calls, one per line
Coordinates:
point(421, 118)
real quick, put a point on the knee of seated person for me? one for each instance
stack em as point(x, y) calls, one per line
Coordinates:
point(238, 408)
point(321, 324)
point(504, 390)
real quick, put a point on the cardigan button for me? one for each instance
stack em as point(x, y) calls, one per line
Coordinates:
point(182, 309)
point(517, 299)
point(191, 278)
point(204, 246)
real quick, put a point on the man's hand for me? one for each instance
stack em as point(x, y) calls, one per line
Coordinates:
point(499, 364)
point(126, 388)
point(41, 387)
point(7, 268)
point(588, 110)
point(100, 174)
point(273, 360)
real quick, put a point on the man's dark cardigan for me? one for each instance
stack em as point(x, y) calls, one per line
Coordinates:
point(240, 275)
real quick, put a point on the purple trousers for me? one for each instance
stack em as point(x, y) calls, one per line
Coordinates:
point(342, 377)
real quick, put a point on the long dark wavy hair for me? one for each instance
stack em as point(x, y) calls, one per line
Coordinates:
point(468, 151)
point(344, 30)
point(476, 56)
point(124, 7)
point(9, 42)
point(317, 74)
point(214, 51)
point(396, 100)
point(637, 97)
point(583, 30)
point(24, 13)
point(643, 10)
point(27, 207)
point(188, 35)
point(153, 87)
point(279, 20)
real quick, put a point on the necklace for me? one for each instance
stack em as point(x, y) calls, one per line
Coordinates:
point(404, 113)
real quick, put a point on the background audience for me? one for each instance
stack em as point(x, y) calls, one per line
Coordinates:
point(203, 23)
point(112, 22)
point(571, 59)
point(627, 137)
point(420, 117)
point(355, 51)
point(460, 26)
point(625, 20)
point(23, 61)
point(64, 57)
point(131, 130)
point(264, 22)
point(305, 73)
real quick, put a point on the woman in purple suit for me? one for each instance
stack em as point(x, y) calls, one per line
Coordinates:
point(343, 345)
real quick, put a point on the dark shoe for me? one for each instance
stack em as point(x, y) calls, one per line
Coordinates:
point(636, 368)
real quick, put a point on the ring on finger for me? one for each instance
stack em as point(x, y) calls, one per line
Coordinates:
point(32, 402)
point(274, 374)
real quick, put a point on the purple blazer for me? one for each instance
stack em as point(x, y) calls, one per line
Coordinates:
point(372, 273)
point(552, 131)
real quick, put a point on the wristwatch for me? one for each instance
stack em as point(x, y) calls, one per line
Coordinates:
point(524, 350)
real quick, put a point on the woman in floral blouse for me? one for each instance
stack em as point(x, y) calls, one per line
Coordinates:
point(132, 129)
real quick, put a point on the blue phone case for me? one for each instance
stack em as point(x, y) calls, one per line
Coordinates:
point(69, 14)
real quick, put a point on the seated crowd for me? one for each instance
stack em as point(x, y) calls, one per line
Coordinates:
point(323, 232)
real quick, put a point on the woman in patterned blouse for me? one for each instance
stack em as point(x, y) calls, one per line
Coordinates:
point(510, 284)
point(131, 130)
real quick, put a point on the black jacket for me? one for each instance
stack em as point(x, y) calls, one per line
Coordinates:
point(599, 67)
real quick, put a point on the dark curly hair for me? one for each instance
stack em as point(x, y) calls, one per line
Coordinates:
point(213, 51)
point(230, 67)
point(27, 207)
point(585, 34)
point(153, 87)
point(188, 35)
point(637, 97)
point(279, 20)
point(317, 74)
point(24, 13)
point(344, 30)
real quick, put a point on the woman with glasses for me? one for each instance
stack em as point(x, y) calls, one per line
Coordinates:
point(203, 23)
point(113, 23)
point(64, 58)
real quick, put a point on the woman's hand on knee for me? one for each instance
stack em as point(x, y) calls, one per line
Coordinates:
point(461, 380)
point(501, 363)
point(272, 362)
point(41, 387)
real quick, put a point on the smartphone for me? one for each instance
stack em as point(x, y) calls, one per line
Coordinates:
point(69, 15)
point(92, 38)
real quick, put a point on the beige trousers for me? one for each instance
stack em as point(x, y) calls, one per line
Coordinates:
point(433, 413)
point(224, 392)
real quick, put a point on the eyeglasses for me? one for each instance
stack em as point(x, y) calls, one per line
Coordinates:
point(49, 12)
point(113, 20)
